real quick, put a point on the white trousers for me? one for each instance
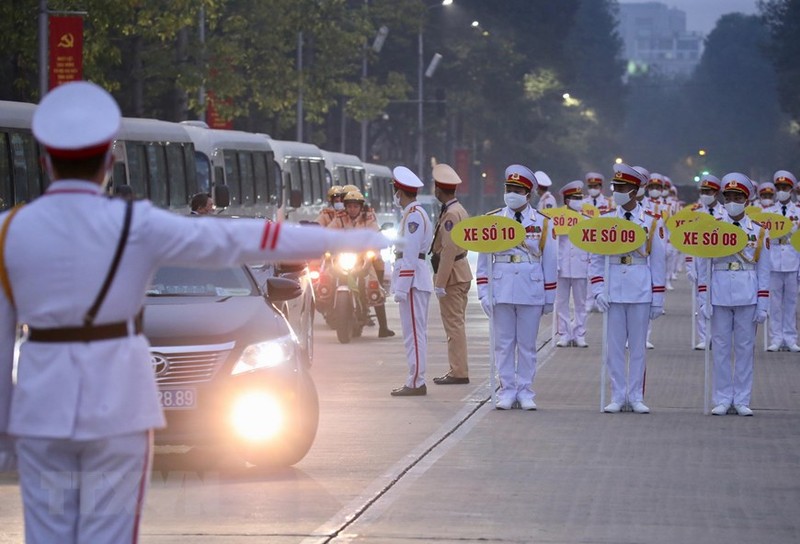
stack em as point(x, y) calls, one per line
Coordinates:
point(699, 320)
point(783, 308)
point(515, 329)
point(733, 337)
point(575, 328)
point(627, 323)
point(414, 319)
point(84, 491)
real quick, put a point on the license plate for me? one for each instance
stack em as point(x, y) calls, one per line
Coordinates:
point(184, 398)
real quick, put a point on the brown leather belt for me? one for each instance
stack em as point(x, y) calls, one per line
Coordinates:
point(89, 333)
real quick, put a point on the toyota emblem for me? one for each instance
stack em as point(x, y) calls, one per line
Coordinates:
point(160, 364)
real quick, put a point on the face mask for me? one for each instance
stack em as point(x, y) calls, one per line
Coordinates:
point(783, 195)
point(338, 206)
point(575, 204)
point(515, 200)
point(396, 200)
point(707, 200)
point(594, 192)
point(620, 199)
point(767, 202)
point(654, 193)
point(734, 208)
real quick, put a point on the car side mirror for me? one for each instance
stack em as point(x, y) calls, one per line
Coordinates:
point(222, 196)
point(282, 289)
point(296, 198)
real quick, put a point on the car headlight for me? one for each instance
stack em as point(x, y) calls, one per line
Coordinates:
point(346, 261)
point(267, 354)
point(257, 416)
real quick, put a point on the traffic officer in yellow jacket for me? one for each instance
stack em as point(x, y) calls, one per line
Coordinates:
point(632, 293)
point(335, 206)
point(452, 276)
point(412, 281)
point(524, 285)
point(739, 301)
point(84, 401)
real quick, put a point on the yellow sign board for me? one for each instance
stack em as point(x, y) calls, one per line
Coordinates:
point(607, 235)
point(775, 223)
point(590, 211)
point(684, 216)
point(563, 219)
point(751, 210)
point(795, 240)
point(488, 233)
point(708, 239)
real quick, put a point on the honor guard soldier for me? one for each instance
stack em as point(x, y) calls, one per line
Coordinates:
point(707, 203)
point(766, 195)
point(523, 288)
point(85, 400)
point(546, 198)
point(358, 216)
point(739, 286)
point(452, 276)
point(634, 294)
point(335, 206)
point(785, 263)
point(573, 269)
point(412, 281)
point(594, 189)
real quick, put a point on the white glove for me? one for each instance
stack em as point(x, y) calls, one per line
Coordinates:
point(656, 312)
point(760, 317)
point(440, 291)
point(692, 275)
point(547, 309)
point(487, 308)
point(706, 310)
point(400, 297)
point(601, 301)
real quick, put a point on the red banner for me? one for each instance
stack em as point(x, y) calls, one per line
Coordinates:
point(66, 49)
point(213, 118)
point(462, 168)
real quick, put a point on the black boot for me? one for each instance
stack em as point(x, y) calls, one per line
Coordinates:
point(384, 331)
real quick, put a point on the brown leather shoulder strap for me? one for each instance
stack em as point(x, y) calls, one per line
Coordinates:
point(3, 271)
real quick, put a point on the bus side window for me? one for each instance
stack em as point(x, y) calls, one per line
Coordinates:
point(276, 191)
point(305, 174)
point(136, 168)
point(318, 182)
point(246, 177)
point(156, 174)
point(202, 168)
point(6, 195)
point(176, 176)
point(361, 181)
point(260, 178)
point(20, 167)
point(232, 178)
point(190, 167)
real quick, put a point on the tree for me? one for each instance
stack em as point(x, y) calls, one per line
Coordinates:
point(783, 21)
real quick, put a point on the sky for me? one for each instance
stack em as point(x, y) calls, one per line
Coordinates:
point(702, 15)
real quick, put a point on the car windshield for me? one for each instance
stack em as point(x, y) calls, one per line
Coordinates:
point(179, 281)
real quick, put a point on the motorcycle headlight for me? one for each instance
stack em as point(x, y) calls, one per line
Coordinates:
point(268, 354)
point(346, 261)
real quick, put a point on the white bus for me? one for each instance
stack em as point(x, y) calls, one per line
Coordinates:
point(243, 162)
point(302, 170)
point(378, 190)
point(155, 160)
point(344, 169)
point(21, 175)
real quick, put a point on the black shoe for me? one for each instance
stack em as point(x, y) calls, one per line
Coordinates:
point(385, 333)
point(407, 391)
point(447, 379)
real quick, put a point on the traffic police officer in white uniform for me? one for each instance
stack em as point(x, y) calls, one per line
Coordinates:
point(523, 288)
point(85, 401)
point(785, 263)
point(546, 198)
point(739, 287)
point(573, 269)
point(413, 281)
point(707, 203)
point(634, 295)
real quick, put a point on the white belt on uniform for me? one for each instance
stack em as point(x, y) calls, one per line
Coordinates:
point(628, 260)
point(516, 258)
point(734, 266)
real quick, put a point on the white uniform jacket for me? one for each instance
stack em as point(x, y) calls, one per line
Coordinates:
point(638, 276)
point(525, 274)
point(784, 257)
point(58, 251)
point(718, 212)
point(600, 202)
point(411, 267)
point(741, 279)
point(573, 262)
point(547, 200)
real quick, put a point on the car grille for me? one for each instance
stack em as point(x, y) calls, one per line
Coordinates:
point(181, 365)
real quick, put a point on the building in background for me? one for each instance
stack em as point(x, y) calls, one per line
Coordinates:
point(656, 40)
